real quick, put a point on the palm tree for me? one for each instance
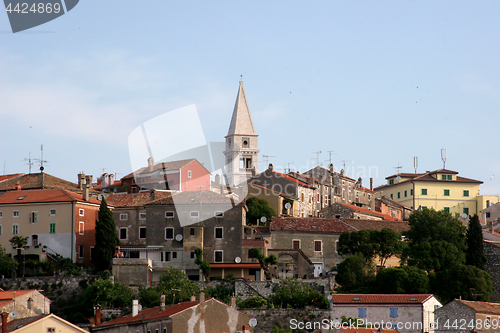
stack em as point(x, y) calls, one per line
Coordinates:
point(19, 243)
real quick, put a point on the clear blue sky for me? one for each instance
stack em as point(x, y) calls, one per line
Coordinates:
point(377, 82)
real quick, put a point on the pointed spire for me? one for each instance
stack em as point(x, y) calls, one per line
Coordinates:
point(241, 122)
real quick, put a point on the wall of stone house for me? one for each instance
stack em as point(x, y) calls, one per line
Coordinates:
point(245, 289)
point(451, 312)
point(287, 318)
point(132, 224)
point(492, 267)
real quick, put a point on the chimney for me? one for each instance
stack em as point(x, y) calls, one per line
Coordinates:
point(88, 180)
point(152, 194)
point(81, 179)
point(97, 314)
point(151, 163)
point(193, 297)
point(360, 182)
point(86, 191)
point(162, 302)
point(371, 183)
point(233, 301)
point(202, 296)
point(270, 167)
point(111, 178)
point(332, 168)
point(491, 227)
point(18, 186)
point(245, 329)
point(5, 315)
point(135, 307)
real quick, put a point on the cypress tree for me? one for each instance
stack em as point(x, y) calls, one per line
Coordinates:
point(475, 252)
point(106, 238)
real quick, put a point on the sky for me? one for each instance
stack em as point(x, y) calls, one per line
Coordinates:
point(375, 82)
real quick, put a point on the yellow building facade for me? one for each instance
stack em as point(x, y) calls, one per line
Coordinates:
point(441, 189)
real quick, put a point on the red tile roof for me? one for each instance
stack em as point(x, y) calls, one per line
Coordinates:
point(172, 165)
point(309, 224)
point(37, 196)
point(253, 242)
point(38, 181)
point(378, 225)
point(482, 307)
point(11, 294)
point(134, 199)
point(116, 183)
point(5, 177)
point(293, 179)
point(368, 211)
point(192, 197)
point(380, 298)
point(279, 193)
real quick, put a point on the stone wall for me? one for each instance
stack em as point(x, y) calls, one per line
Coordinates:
point(287, 318)
point(245, 289)
point(492, 267)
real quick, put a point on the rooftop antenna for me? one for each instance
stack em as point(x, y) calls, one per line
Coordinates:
point(103, 170)
point(415, 163)
point(398, 168)
point(266, 159)
point(331, 153)
point(289, 166)
point(241, 77)
point(30, 163)
point(317, 157)
point(41, 160)
point(343, 162)
point(443, 157)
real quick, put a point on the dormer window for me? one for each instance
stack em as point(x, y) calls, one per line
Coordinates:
point(446, 177)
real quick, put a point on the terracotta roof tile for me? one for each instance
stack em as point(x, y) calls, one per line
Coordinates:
point(368, 211)
point(309, 224)
point(277, 192)
point(11, 294)
point(378, 225)
point(173, 165)
point(380, 298)
point(293, 179)
point(5, 177)
point(134, 199)
point(34, 181)
point(46, 195)
point(482, 307)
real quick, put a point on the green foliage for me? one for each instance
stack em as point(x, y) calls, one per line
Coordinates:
point(257, 208)
point(19, 242)
point(475, 252)
point(202, 263)
point(355, 274)
point(436, 240)
point(7, 263)
point(277, 329)
point(105, 238)
point(221, 292)
point(469, 282)
point(265, 262)
point(404, 280)
point(291, 293)
point(388, 243)
point(252, 303)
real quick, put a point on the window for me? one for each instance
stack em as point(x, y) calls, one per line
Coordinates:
point(411, 191)
point(391, 196)
point(81, 228)
point(15, 213)
point(123, 233)
point(53, 212)
point(82, 212)
point(91, 252)
point(52, 228)
point(34, 240)
point(357, 194)
point(1, 230)
point(219, 214)
point(443, 177)
point(296, 244)
point(302, 196)
point(191, 231)
point(1, 214)
point(391, 181)
point(488, 215)
point(169, 214)
point(142, 216)
point(318, 198)
point(361, 312)
point(424, 191)
point(218, 233)
point(406, 193)
point(123, 217)
point(446, 209)
point(51, 329)
point(446, 193)
point(399, 195)
point(80, 251)
point(174, 255)
point(337, 246)
point(169, 233)
point(190, 174)
point(446, 177)
point(193, 255)
point(194, 214)
point(369, 197)
point(15, 229)
point(318, 245)
point(34, 217)
point(394, 312)
point(466, 210)
point(142, 232)
point(165, 329)
point(218, 256)
point(466, 193)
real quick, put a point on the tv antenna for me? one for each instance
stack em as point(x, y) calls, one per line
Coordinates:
point(266, 159)
point(398, 168)
point(30, 162)
point(289, 166)
point(415, 163)
point(443, 157)
point(317, 157)
point(331, 153)
point(343, 162)
point(41, 160)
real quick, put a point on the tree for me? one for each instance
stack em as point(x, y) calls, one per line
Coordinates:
point(265, 262)
point(475, 252)
point(257, 208)
point(19, 243)
point(292, 293)
point(436, 240)
point(388, 244)
point(355, 274)
point(403, 280)
point(202, 263)
point(106, 239)
point(7, 263)
point(363, 242)
point(468, 282)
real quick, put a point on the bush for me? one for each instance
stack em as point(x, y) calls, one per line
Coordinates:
point(291, 293)
point(252, 302)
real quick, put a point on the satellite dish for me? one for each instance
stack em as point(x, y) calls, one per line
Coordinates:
point(288, 205)
point(178, 237)
point(329, 297)
point(140, 307)
point(398, 178)
point(99, 197)
point(464, 216)
point(252, 322)
point(14, 314)
point(263, 219)
point(237, 260)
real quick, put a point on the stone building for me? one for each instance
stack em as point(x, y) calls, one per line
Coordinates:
point(468, 316)
point(343, 210)
point(26, 303)
point(492, 266)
